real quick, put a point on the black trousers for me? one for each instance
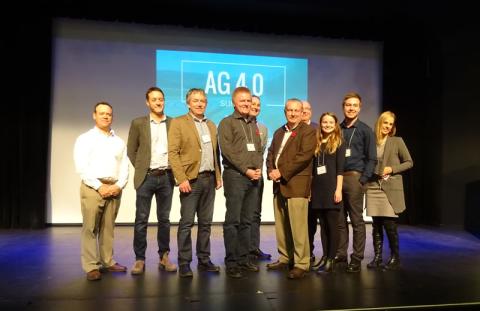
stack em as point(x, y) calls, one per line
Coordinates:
point(353, 208)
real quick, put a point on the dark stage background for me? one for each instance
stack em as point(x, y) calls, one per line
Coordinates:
point(431, 67)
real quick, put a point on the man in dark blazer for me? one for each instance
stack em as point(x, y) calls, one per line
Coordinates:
point(194, 155)
point(147, 149)
point(289, 166)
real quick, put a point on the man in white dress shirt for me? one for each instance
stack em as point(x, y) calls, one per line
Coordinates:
point(101, 160)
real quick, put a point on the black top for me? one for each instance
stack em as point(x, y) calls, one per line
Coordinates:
point(324, 185)
point(363, 156)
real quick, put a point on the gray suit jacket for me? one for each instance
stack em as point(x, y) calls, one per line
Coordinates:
point(396, 156)
point(139, 148)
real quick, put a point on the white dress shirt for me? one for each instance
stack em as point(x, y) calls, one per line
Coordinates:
point(159, 143)
point(97, 155)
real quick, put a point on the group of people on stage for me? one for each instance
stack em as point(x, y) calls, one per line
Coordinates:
point(320, 172)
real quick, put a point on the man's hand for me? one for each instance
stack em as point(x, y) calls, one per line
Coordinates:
point(275, 175)
point(185, 187)
point(219, 185)
point(115, 190)
point(254, 174)
point(107, 191)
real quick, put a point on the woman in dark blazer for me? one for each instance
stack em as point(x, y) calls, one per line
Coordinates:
point(385, 197)
point(327, 183)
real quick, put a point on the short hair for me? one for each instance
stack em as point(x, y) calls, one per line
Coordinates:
point(152, 89)
point(101, 103)
point(240, 89)
point(255, 96)
point(351, 95)
point(294, 100)
point(194, 90)
point(379, 122)
point(306, 102)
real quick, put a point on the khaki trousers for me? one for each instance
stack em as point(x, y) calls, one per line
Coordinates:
point(97, 230)
point(291, 228)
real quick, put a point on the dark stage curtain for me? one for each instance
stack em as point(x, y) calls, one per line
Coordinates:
point(26, 121)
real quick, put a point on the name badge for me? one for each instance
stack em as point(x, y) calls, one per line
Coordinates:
point(348, 152)
point(206, 138)
point(321, 170)
point(251, 147)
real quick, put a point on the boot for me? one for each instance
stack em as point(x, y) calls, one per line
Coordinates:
point(377, 237)
point(166, 264)
point(329, 265)
point(392, 235)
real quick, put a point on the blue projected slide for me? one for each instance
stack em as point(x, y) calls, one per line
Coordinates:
point(273, 79)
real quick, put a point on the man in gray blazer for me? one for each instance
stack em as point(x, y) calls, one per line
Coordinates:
point(147, 149)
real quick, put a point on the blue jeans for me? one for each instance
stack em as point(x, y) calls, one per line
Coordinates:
point(199, 201)
point(241, 196)
point(162, 187)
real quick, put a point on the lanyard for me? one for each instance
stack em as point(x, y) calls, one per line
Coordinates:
point(323, 158)
point(350, 140)
point(245, 133)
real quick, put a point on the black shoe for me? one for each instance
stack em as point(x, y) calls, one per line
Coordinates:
point(340, 259)
point(234, 273)
point(258, 254)
point(208, 266)
point(328, 267)
point(184, 271)
point(354, 266)
point(393, 263)
point(248, 266)
point(376, 263)
point(320, 264)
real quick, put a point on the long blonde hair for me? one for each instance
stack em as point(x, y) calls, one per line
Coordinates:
point(334, 139)
point(378, 125)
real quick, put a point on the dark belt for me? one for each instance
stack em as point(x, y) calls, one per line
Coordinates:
point(107, 181)
point(206, 173)
point(352, 173)
point(158, 172)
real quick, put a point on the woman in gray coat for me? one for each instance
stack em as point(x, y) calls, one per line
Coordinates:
point(385, 198)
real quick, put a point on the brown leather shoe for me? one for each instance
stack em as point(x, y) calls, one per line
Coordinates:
point(94, 275)
point(117, 268)
point(138, 267)
point(296, 273)
point(277, 265)
point(166, 264)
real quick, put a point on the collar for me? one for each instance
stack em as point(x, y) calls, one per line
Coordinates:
point(344, 123)
point(164, 119)
point(197, 119)
point(237, 115)
point(99, 131)
point(291, 129)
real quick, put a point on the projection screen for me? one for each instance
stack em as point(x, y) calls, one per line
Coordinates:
point(116, 62)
